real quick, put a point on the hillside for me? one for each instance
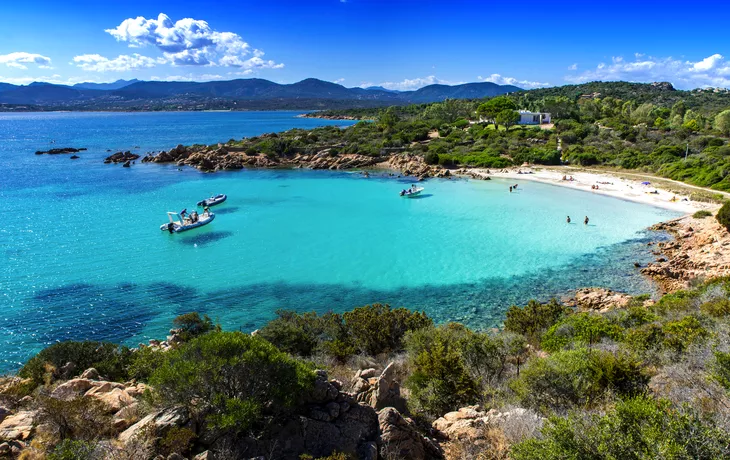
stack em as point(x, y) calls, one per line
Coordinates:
point(240, 94)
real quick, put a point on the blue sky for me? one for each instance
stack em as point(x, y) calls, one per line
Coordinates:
point(396, 44)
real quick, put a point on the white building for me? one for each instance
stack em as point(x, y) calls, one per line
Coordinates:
point(533, 118)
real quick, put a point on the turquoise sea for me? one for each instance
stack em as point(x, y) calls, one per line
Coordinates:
point(83, 257)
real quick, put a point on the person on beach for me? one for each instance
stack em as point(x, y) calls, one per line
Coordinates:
point(568, 219)
point(585, 221)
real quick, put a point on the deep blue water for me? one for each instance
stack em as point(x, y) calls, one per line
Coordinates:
point(83, 256)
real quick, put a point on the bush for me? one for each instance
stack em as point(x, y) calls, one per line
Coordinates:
point(439, 381)
point(431, 158)
point(192, 325)
point(639, 428)
point(579, 377)
point(231, 377)
point(144, 362)
point(581, 329)
point(701, 214)
point(80, 418)
point(679, 335)
point(378, 328)
point(534, 318)
point(717, 307)
point(721, 369)
point(73, 450)
point(723, 215)
point(109, 359)
point(372, 329)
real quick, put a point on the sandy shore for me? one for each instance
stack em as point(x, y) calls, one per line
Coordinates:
point(608, 184)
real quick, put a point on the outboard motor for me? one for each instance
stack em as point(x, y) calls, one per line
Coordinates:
point(170, 227)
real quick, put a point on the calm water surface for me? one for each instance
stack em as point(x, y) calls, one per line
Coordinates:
point(83, 257)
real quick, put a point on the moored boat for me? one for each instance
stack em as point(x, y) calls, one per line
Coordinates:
point(214, 200)
point(411, 192)
point(179, 222)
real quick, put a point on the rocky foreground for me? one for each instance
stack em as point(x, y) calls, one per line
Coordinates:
point(365, 414)
point(224, 157)
point(700, 250)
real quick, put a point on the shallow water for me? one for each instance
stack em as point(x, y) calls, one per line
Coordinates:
point(83, 256)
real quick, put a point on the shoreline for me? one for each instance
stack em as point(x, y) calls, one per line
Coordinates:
point(609, 184)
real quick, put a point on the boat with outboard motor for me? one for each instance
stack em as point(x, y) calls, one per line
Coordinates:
point(214, 200)
point(411, 192)
point(179, 222)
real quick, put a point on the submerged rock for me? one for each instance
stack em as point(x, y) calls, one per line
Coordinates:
point(59, 151)
point(121, 157)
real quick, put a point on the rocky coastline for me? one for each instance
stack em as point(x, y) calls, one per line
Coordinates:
point(222, 157)
point(700, 250)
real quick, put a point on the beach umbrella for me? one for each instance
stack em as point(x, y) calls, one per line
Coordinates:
point(645, 183)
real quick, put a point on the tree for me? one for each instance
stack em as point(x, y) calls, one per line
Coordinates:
point(507, 118)
point(559, 106)
point(494, 106)
point(722, 122)
point(387, 119)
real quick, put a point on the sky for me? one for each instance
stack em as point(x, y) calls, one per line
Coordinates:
point(400, 45)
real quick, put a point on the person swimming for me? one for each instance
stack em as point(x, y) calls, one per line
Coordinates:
point(568, 219)
point(585, 221)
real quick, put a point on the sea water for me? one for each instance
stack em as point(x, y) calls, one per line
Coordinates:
point(83, 256)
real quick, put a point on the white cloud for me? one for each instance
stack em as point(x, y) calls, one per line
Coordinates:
point(500, 80)
point(411, 83)
point(573, 67)
point(189, 77)
point(190, 42)
point(98, 63)
point(339, 81)
point(19, 59)
point(685, 74)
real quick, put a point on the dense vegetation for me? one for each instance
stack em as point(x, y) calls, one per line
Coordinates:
point(639, 382)
point(650, 128)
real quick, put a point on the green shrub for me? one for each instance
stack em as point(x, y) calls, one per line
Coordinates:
point(378, 328)
point(109, 359)
point(717, 307)
point(723, 215)
point(143, 363)
point(636, 429)
point(534, 318)
point(372, 329)
point(581, 329)
point(232, 378)
point(578, 377)
point(635, 316)
point(645, 338)
point(431, 158)
point(677, 301)
point(73, 450)
point(701, 214)
point(439, 381)
point(679, 335)
point(177, 440)
point(80, 418)
point(192, 325)
point(721, 369)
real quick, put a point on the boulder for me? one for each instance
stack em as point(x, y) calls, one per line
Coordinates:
point(399, 438)
point(466, 423)
point(322, 391)
point(158, 422)
point(4, 412)
point(207, 455)
point(598, 299)
point(387, 391)
point(17, 426)
point(113, 399)
point(4, 448)
point(72, 388)
point(90, 373)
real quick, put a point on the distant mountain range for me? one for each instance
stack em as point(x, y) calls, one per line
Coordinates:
point(243, 94)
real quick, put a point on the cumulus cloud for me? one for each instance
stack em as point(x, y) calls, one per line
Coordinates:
point(411, 83)
point(573, 67)
point(190, 42)
point(19, 59)
point(713, 70)
point(98, 63)
point(500, 80)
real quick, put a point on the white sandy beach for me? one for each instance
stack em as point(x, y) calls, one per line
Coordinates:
point(608, 184)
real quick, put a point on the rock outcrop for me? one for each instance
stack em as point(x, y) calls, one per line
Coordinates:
point(17, 426)
point(598, 300)
point(59, 151)
point(413, 165)
point(379, 391)
point(121, 157)
point(399, 438)
point(700, 249)
point(472, 422)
